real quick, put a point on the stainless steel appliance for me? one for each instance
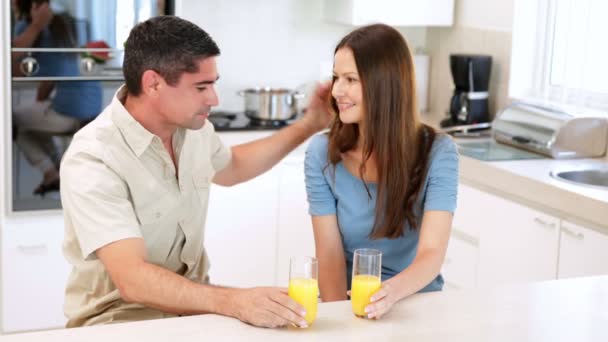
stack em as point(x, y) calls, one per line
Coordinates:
point(469, 102)
point(93, 32)
point(271, 104)
point(550, 132)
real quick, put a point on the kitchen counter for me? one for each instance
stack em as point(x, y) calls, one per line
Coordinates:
point(524, 181)
point(559, 310)
point(528, 182)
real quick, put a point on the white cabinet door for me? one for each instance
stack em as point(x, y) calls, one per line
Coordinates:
point(583, 252)
point(461, 261)
point(34, 275)
point(470, 204)
point(517, 244)
point(391, 12)
point(240, 234)
point(295, 235)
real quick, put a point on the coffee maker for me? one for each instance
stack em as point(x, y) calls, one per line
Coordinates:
point(469, 103)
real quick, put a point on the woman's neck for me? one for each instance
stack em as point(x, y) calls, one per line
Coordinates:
point(355, 158)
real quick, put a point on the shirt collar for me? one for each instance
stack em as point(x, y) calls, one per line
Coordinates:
point(138, 138)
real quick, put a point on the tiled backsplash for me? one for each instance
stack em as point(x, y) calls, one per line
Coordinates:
point(441, 42)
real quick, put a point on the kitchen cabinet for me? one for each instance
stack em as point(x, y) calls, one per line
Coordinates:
point(470, 204)
point(460, 265)
point(241, 232)
point(516, 243)
point(34, 274)
point(391, 12)
point(295, 234)
point(496, 241)
point(582, 251)
point(254, 228)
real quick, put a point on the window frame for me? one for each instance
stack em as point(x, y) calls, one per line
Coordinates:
point(532, 58)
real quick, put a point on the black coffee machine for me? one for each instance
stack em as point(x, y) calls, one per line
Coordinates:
point(469, 103)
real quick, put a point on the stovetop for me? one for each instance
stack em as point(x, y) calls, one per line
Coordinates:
point(226, 121)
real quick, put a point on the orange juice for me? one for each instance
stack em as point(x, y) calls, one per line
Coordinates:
point(306, 293)
point(363, 287)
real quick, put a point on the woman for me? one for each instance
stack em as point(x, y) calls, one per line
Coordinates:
point(380, 178)
point(72, 103)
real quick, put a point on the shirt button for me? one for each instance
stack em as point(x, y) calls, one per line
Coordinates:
point(158, 214)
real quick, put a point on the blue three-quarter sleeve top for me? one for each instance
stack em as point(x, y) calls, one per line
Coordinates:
point(345, 196)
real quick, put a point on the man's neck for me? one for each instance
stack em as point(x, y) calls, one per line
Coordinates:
point(149, 118)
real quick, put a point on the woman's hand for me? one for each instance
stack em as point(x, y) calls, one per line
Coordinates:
point(41, 15)
point(382, 301)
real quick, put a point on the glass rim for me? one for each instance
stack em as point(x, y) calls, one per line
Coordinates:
point(367, 252)
point(310, 259)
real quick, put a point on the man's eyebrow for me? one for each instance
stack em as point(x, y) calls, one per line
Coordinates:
point(207, 81)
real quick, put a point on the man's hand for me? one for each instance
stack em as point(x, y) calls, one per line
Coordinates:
point(41, 15)
point(317, 112)
point(268, 307)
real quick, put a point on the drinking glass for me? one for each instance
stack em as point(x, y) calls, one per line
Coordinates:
point(366, 280)
point(303, 285)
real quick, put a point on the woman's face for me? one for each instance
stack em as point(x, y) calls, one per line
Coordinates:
point(346, 88)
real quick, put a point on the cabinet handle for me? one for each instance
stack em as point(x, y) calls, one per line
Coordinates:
point(578, 236)
point(32, 249)
point(544, 223)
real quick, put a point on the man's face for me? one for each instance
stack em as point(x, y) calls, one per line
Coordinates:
point(187, 104)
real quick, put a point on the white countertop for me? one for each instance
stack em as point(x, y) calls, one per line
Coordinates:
point(559, 310)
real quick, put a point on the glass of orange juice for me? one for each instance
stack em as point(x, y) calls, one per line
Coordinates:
point(303, 285)
point(367, 265)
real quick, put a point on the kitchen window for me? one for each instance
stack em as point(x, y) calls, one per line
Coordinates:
point(559, 56)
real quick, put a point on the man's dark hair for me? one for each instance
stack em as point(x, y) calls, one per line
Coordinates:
point(168, 45)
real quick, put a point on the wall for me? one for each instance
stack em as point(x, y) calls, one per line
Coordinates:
point(4, 34)
point(279, 43)
point(481, 26)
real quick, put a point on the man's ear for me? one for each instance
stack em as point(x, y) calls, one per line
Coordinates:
point(151, 82)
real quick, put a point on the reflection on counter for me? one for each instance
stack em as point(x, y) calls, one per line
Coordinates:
point(490, 150)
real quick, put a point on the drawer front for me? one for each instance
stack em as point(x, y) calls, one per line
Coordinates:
point(34, 275)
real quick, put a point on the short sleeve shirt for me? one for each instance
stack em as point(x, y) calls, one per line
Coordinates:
point(119, 182)
point(335, 191)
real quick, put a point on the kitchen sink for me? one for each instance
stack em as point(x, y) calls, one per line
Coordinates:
point(596, 177)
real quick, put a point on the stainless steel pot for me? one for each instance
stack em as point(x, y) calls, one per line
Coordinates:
point(276, 104)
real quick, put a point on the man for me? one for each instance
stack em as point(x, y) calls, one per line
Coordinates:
point(135, 184)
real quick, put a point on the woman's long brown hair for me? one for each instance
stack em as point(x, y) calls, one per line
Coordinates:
point(393, 132)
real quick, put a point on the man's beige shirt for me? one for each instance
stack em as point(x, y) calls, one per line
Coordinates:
point(119, 182)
